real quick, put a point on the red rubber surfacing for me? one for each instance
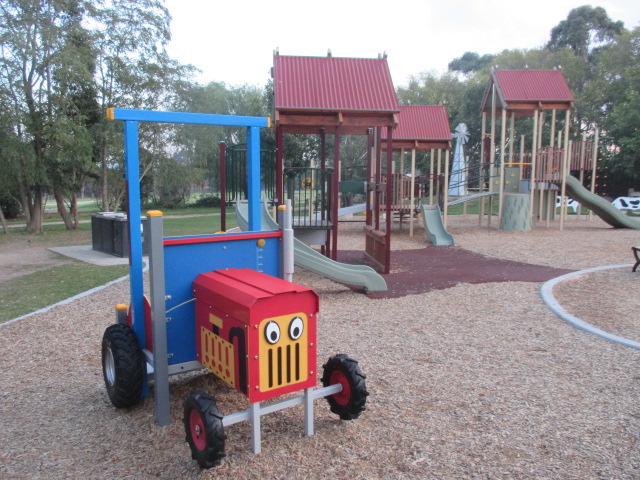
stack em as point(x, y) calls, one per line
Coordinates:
point(436, 268)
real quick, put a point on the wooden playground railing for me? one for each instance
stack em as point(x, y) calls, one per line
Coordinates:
point(401, 195)
point(549, 161)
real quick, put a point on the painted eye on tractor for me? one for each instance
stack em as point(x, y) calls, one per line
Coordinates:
point(296, 327)
point(272, 332)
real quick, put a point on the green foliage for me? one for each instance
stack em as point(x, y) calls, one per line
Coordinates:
point(171, 189)
point(584, 28)
point(207, 201)
point(613, 97)
point(470, 62)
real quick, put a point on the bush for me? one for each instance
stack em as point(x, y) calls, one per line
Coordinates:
point(10, 208)
point(207, 201)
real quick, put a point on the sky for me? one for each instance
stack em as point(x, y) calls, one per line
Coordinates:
point(233, 41)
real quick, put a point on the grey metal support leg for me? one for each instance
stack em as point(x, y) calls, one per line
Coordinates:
point(254, 419)
point(158, 317)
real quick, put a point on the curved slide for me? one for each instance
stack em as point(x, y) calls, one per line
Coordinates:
point(433, 226)
point(599, 205)
point(308, 258)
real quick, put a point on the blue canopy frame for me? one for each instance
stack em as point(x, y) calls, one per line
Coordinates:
point(131, 118)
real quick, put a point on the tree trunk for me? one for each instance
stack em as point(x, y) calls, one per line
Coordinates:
point(74, 211)
point(105, 175)
point(3, 221)
point(62, 209)
point(34, 222)
point(24, 198)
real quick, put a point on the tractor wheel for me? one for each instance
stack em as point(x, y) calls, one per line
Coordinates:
point(122, 365)
point(203, 426)
point(350, 402)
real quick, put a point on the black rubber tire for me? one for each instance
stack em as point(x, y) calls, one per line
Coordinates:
point(201, 413)
point(351, 402)
point(122, 365)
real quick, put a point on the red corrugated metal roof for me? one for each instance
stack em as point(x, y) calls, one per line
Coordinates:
point(333, 84)
point(422, 122)
point(532, 85)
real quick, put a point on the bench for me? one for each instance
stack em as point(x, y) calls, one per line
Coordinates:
point(635, 251)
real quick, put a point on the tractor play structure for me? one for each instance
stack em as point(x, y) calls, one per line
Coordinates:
point(224, 302)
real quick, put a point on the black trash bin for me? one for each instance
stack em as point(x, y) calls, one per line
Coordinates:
point(110, 234)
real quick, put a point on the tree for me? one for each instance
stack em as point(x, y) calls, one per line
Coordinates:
point(585, 28)
point(38, 52)
point(133, 71)
point(613, 95)
point(470, 62)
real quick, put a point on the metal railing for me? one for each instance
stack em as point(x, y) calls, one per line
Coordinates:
point(310, 192)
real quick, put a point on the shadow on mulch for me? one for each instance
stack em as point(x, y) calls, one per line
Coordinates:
point(436, 268)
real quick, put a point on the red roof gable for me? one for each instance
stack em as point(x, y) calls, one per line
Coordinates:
point(422, 122)
point(333, 84)
point(528, 90)
point(422, 127)
point(536, 85)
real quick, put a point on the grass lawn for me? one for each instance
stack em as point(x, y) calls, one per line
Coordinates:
point(34, 291)
point(30, 292)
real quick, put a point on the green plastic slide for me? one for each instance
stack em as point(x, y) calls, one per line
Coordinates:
point(312, 260)
point(433, 226)
point(601, 207)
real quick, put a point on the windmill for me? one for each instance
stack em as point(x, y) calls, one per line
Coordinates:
point(458, 179)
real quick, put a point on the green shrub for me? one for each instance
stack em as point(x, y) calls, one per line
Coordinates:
point(207, 201)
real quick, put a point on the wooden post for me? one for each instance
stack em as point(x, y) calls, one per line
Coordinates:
point(563, 209)
point(413, 185)
point(387, 247)
point(521, 157)
point(594, 165)
point(583, 148)
point(543, 184)
point(480, 174)
point(431, 177)
point(369, 176)
point(378, 180)
point(534, 153)
point(503, 134)
point(446, 187)
point(336, 179)
point(511, 135)
point(464, 204)
point(492, 152)
point(540, 129)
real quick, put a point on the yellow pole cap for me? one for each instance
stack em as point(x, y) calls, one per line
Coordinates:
point(154, 213)
point(121, 306)
point(110, 114)
point(282, 207)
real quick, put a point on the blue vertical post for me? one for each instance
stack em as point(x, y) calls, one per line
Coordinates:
point(253, 177)
point(132, 177)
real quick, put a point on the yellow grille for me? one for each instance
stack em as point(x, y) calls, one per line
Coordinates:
point(284, 362)
point(217, 356)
